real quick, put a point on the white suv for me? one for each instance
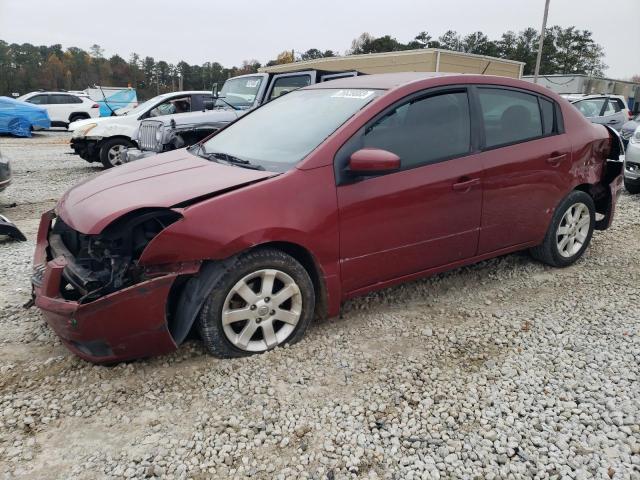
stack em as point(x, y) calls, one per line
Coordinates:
point(63, 107)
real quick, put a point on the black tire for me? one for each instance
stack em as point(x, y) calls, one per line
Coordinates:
point(632, 188)
point(209, 321)
point(77, 116)
point(549, 251)
point(108, 145)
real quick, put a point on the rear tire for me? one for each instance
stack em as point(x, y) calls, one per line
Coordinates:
point(111, 149)
point(632, 188)
point(570, 231)
point(263, 300)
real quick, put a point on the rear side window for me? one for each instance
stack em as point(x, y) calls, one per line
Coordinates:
point(592, 107)
point(284, 85)
point(58, 99)
point(548, 122)
point(614, 106)
point(509, 116)
point(424, 131)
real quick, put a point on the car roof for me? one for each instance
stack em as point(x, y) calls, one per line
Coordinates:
point(381, 81)
point(402, 80)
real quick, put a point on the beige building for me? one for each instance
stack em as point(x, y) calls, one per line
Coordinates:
point(423, 60)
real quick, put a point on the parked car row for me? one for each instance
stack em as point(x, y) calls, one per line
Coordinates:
point(249, 234)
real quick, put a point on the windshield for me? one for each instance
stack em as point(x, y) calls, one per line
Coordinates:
point(282, 132)
point(240, 92)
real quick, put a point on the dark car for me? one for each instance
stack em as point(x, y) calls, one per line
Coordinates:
point(326, 193)
point(6, 227)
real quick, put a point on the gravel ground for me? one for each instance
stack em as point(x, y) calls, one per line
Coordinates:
point(506, 369)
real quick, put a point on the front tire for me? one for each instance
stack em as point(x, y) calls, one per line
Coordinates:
point(632, 188)
point(111, 151)
point(570, 231)
point(264, 299)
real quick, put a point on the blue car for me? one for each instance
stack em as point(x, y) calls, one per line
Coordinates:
point(20, 118)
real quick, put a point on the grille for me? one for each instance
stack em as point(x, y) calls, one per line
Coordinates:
point(626, 134)
point(147, 136)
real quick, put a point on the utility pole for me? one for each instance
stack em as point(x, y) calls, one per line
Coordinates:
point(542, 32)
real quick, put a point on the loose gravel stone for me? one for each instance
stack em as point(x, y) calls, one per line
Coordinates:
point(505, 369)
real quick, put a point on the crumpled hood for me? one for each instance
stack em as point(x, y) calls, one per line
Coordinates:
point(81, 123)
point(163, 180)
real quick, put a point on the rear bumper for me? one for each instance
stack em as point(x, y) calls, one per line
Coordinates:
point(127, 324)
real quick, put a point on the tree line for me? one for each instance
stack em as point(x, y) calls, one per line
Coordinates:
point(26, 67)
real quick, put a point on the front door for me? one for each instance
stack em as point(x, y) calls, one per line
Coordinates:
point(423, 216)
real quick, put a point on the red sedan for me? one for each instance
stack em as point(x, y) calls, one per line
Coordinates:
point(327, 193)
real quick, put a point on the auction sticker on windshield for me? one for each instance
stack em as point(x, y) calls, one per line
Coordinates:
point(358, 94)
point(252, 83)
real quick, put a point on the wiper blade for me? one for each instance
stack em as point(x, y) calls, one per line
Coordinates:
point(222, 99)
point(240, 162)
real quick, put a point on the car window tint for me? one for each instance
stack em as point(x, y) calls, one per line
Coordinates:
point(74, 99)
point(615, 105)
point(546, 106)
point(38, 100)
point(509, 116)
point(284, 85)
point(57, 99)
point(590, 108)
point(610, 109)
point(169, 107)
point(425, 130)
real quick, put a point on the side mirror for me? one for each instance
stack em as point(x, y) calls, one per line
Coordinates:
point(208, 104)
point(373, 161)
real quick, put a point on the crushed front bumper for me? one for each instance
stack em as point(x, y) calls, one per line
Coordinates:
point(85, 148)
point(127, 324)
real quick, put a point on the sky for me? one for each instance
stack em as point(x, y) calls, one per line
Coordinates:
point(231, 31)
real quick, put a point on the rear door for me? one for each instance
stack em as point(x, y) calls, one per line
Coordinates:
point(425, 215)
point(615, 114)
point(526, 158)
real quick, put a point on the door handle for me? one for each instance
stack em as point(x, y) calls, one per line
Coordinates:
point(465, 184)
point(612, 122)
point(556, 158)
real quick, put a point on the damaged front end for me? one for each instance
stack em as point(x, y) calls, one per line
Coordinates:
point(92, 292)
point(98, 265)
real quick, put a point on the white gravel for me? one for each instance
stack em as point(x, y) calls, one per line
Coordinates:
point(507, 369)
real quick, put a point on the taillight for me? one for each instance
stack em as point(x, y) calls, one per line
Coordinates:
point(95, 105)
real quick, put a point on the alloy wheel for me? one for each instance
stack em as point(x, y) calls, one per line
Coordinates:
point(115, 155)
point(573, 230)
point(261, 310)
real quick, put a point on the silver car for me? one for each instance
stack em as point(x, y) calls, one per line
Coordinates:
point(628, 129)
point(632, 163)
point(608, 110)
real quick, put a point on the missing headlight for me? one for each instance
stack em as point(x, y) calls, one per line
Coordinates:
point(101, 264)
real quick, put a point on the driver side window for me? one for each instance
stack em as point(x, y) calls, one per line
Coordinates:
point(174, 105)
point(425, 130)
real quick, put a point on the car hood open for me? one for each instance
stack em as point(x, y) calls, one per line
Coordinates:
point(165, 180)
